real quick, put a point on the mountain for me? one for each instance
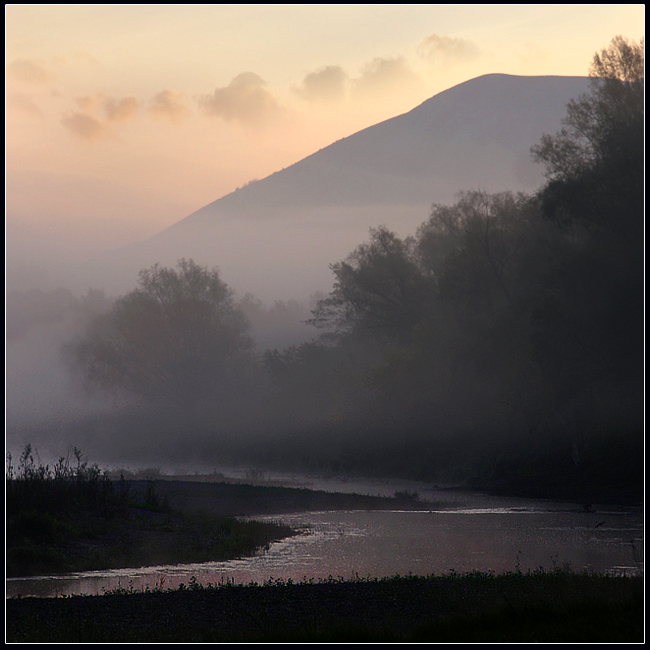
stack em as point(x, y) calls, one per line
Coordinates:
point(277, 236)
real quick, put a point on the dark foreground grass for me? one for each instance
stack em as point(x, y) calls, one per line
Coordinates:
point(73, 518)
point(41, 543)
point(52, 529)
point(555, 606)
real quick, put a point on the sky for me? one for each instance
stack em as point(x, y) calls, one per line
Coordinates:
point(123, 119)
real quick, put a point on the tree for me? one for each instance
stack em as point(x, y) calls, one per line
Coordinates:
point(589, 318)
point(595, 191)
point(379, 290)
point(172, 338)
point(474, 246)
point(595, 121)
point(484, 253)
point(594, 164)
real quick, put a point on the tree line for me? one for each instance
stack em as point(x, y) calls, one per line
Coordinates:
point(506, 322)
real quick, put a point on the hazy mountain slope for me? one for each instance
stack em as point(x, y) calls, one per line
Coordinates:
point(276, 237)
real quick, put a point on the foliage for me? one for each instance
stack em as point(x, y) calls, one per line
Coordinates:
point(46, 507)
point(476, 246)
point(72, 517)
point(65, 487)
point(603, 122)
point(511, 320)
point(589, 316)
point(378, 289)
point(320, 383)
point(595, 162)
point(173, 338)
point(554, 607)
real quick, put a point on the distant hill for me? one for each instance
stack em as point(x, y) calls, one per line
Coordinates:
point(277, 236)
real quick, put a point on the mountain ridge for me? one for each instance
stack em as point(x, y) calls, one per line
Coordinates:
point(340, 149)
point(277, 236)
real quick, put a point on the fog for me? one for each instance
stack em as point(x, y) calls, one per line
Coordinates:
point(48, 405)
point(460, 335)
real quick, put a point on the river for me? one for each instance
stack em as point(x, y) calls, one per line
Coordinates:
point(461, 532)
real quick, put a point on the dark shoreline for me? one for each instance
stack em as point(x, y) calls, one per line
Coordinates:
point(243, 498)
point(234, 498)
point(556, 606)
point(197, 508)
point(479, 607)
point(166, 521)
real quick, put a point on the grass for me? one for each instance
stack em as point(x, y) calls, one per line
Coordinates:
point(556, 606)
point(138, 537)
point(73, 518)
point(236, 498)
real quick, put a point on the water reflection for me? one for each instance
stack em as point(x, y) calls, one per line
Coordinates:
point(484, 533)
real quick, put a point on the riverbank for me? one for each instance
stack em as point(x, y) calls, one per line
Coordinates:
point(39, 544)
point(56, 527)
point(147, 523)
point(248, 499)
point(553, 606)
point(515, 607)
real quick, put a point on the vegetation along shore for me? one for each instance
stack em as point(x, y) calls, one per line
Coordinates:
point(72, 517)
point(84, 520)
point(479, 607)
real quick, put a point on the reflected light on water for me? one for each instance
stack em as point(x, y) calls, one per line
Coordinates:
point(350, 544)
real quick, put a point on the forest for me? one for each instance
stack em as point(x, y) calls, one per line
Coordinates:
point(500, 346)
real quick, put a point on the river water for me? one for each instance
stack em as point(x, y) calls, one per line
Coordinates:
point(457, 532)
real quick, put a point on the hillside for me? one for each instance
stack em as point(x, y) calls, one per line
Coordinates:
point(276, 237)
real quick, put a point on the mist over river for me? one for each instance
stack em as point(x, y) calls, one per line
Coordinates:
point(453, 531)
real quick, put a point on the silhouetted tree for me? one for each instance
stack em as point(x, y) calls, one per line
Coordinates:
point(470, 353)
point(173, 338)
point(475, 247)
point(379, 290)
point(588, 320)
point(594, 164)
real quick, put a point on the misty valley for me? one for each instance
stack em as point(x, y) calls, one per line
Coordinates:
point(482, 377)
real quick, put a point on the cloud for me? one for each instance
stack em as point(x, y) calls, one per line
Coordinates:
point(24, 104)
point(87, 125)
point(168, 105)
point(115, 110)
point(382, 74)
point(29, 71)
point(447, 49)
point(326, 84)
point(84, 126)
point(121, 110)
point(245, 100)
point(90, 103)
